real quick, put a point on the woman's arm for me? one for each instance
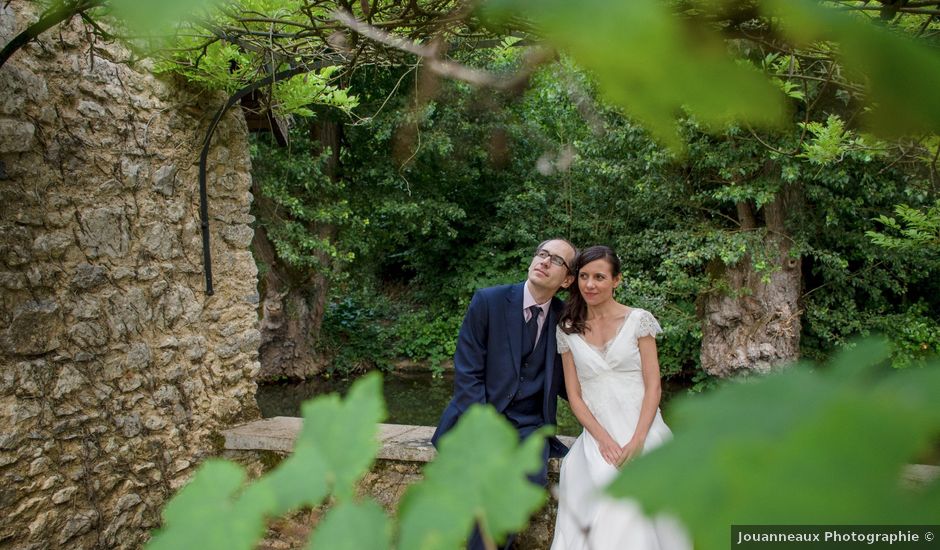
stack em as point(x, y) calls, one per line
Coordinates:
point(609, 448)
point(653, 391)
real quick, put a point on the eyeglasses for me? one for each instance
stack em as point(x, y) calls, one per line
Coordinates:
point(556, 259)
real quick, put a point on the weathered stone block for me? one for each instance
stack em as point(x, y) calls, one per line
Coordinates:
point(128, 311)
point(87, 307)
point(65, 409)
point(104, 232)
point(38, 466)
point(129, 424)
point(16, 136)
point(154, 423)
point(238, 235)
point(12, 280)
point(64, 495)
point(19, 84)
point(89, 335)
point(130, 383)
point(138, 357)
point(37, 527)
point(15, 245)
point(79, 523)
point(92, 109)
point(147, 272)
point(87, 276)
point(127, 502)
point(164, 180)
point(35, 329)
point(51, 245)
point(162, 242)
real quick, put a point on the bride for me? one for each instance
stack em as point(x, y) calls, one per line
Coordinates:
point(612, 378)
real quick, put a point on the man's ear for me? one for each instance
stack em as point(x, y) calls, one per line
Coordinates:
point(567, 282)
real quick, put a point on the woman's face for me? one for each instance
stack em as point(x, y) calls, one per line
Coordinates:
point(596, 282)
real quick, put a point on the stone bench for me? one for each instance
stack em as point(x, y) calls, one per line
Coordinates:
point(399, 442)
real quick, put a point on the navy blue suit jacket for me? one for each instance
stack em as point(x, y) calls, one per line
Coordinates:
point(489, 358)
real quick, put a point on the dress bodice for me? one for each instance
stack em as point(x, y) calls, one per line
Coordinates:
point(611, 379)
point(620, 355)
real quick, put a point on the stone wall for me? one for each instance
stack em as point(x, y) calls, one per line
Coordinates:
point(116, 369)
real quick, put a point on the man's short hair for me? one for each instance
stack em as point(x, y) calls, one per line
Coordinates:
point(562, 239)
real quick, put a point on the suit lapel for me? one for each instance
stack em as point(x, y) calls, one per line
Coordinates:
point(514, 324)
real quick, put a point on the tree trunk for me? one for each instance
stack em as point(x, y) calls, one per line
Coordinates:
point(293, 301)
point(288, 327)
point(755, 325)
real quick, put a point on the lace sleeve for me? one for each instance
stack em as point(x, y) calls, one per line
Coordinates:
point(647, 325)
point(562, 340)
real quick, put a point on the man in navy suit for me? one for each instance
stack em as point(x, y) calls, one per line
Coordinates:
point(506, 352)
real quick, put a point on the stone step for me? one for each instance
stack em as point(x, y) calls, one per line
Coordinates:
point(399, 441)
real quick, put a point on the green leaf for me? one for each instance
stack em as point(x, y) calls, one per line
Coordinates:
point(652, 64)
point(798, 447)
point(148, 17)
point(204, 513)
point(479, 475)
point(348, 447)
point(349, 526)
point(902, 75)
point(335, 447)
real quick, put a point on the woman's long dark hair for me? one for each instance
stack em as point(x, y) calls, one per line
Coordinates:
point(574, 317)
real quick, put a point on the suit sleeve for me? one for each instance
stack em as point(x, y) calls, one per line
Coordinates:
point(470, 357)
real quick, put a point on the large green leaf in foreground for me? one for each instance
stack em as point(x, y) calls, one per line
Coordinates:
point(350, 526)
point(205, 513)
point(902, 75)
point(335, 448)
point(804, 446)
point(651, 63)
point(480, 474)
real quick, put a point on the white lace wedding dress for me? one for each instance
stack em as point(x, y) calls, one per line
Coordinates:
point(612, 387)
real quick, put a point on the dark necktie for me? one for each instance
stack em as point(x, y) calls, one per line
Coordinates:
point(532, 325)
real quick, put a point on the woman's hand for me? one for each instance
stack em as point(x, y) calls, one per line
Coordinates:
point(629, 451)
point(610, 450)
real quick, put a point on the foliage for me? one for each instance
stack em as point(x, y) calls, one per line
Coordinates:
point(355, 333)
point(835, 437)
point(900, 92)
point(298, 198)
point(679, 63)
point(364, 329)
point(914, 334)
point(423, 335)
point(919, 230)
point(666, 70)
point(335, 448)
point(479, 475)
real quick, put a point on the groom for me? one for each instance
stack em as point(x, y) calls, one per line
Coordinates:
point(506, 353)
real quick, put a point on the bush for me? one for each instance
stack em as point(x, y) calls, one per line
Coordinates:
point(365, 330)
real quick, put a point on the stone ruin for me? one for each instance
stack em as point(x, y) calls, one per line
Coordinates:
point(116, 369)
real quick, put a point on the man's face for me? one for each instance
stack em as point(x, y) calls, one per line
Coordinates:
point(544, 274)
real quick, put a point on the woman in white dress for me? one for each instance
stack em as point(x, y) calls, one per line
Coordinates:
point(612, 378)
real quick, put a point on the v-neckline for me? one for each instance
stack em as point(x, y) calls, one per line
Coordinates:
point(602, 351)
